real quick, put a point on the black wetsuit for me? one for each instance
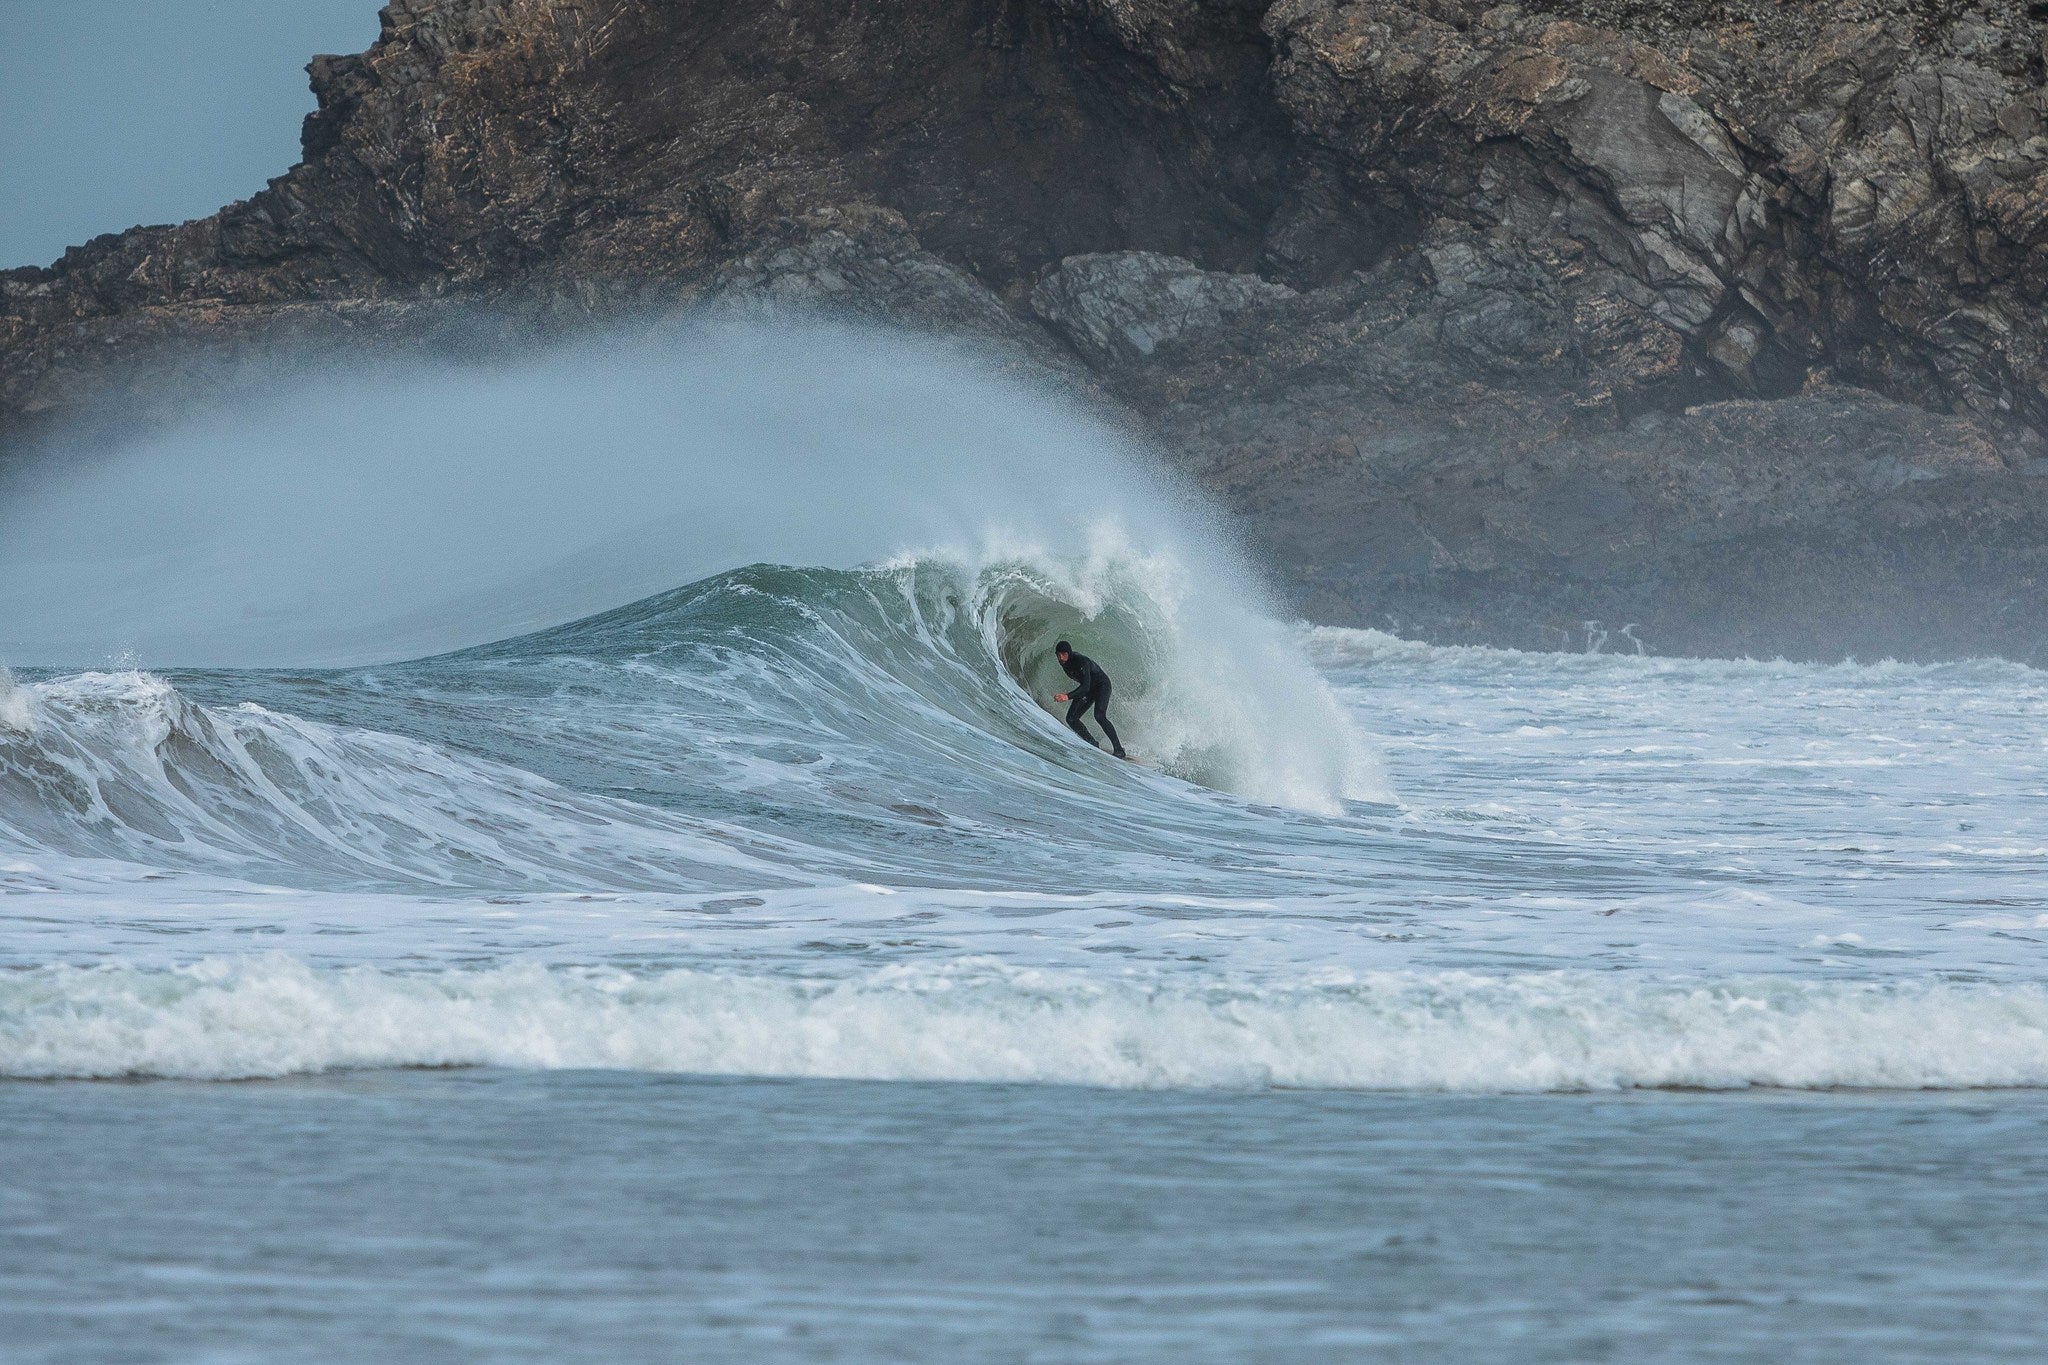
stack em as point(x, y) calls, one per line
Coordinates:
point(1091, 689)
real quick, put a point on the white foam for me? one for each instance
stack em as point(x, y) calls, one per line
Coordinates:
point(977, 1021)
point(1207, 684)
point(1347, 648)
point(17, 706)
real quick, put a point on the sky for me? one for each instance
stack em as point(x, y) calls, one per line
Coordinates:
point(118, 112)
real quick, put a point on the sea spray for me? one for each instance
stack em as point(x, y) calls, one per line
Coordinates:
point(381, 512)
point(376, 515)
point(17, 707)
point(1209, 691)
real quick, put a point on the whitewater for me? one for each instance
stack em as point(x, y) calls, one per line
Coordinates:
point(286, 787)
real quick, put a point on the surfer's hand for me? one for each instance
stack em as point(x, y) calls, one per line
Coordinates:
point(1059, 696)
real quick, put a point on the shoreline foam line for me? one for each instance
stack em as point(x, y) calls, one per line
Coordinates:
point(244, 1018)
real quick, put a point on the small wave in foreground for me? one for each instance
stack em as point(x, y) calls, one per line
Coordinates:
point(981, 1021)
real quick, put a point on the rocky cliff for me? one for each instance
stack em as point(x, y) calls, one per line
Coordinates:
point(1719, 319)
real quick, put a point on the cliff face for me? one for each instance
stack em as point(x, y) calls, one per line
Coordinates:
point(1723, 319)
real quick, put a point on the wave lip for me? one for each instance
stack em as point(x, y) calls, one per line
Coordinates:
point(978, 1021)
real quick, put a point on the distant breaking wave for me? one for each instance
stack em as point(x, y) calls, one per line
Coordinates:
point(1344, 648)
point(979, 1021)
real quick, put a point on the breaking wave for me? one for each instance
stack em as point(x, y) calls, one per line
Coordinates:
point(847, 691)
point(1344, 649)
point(980, 1021)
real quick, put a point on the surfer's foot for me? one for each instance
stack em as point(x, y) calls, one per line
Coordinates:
point(1121, 754)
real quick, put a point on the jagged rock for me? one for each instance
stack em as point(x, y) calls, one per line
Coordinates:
point(1488, 316)
point(1119, 305)
point(1862, 186)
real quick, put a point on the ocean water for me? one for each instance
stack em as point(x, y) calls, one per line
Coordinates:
point(1551, 1007)
point(617, 1215)
point(757, 969)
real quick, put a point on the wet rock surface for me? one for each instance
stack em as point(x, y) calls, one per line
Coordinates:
point(1719, 320)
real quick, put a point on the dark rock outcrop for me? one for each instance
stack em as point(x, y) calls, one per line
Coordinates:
point(1720, 319)
point(1122, 305)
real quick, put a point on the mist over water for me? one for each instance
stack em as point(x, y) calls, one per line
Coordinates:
point(385, 513)
point(400, 509)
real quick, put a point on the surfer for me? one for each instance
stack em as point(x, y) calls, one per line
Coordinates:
point(1093, 691)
